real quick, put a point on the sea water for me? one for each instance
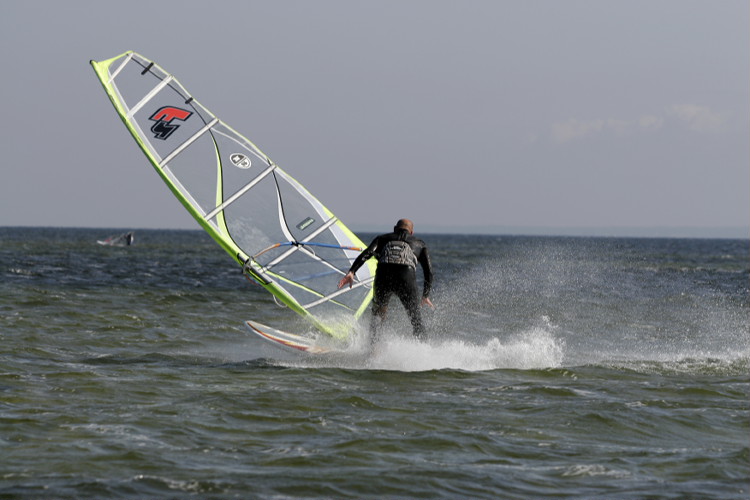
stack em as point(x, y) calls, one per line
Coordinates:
point(553, 368)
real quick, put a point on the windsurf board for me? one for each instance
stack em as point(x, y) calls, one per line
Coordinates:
point(289, 341)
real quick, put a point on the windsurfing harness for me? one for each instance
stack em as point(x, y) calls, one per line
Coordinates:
point(398, 248)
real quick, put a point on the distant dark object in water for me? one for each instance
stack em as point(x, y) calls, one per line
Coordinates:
point(122, 240)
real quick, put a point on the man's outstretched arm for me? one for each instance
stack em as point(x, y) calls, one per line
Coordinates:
point(368, 252)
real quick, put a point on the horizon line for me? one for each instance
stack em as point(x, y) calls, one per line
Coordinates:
point(698, 232)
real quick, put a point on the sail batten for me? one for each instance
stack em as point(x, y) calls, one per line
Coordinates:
point(250, 206)
point(368, 281)
point(188, 142)
point(149, 96)
point(239, 193)
point(119, 68)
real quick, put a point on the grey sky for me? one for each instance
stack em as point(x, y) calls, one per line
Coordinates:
point(490, 114)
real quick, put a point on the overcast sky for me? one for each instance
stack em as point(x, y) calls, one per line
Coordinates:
point(540, 115)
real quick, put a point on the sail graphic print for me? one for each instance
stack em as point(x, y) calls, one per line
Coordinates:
point(163, 117)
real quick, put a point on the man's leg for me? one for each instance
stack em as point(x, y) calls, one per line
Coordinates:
point(380, 299)
point(415, 316)
point(409, 296)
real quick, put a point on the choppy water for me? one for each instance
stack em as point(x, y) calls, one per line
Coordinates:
point(556, 368)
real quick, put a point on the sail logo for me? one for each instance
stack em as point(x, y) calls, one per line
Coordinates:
point(240, 161)
point(164, 117)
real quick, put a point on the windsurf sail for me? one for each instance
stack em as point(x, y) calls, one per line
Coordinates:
point(280, 234)
point(120, 240)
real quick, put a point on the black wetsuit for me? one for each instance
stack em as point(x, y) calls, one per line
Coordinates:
point(397, 253)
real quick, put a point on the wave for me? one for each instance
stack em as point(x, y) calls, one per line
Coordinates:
point(736, 365)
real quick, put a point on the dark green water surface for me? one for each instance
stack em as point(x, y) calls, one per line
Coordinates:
point(555, 368)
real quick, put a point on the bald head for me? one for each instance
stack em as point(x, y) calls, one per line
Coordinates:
point(405, 224)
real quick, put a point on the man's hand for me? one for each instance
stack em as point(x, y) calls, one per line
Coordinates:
point(347, 280)
point(425, 301)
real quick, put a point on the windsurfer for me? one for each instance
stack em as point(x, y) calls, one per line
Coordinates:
point(397, 253)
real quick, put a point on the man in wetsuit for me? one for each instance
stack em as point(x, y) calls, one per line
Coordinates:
point(397, 253)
